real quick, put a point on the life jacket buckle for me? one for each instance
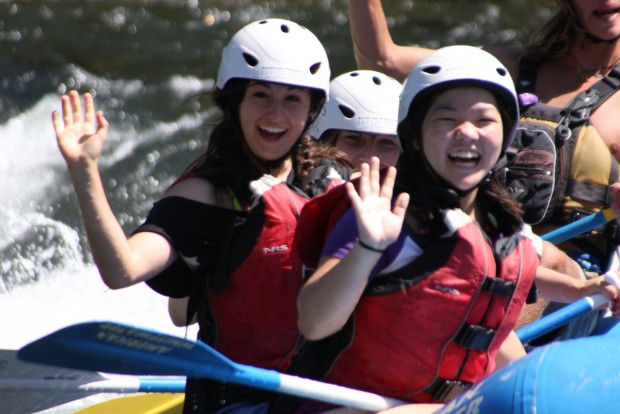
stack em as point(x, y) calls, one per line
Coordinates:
point(498, 287)
point(443, 390)
point(475, 337)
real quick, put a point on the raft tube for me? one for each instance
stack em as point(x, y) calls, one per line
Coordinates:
point(572, 376)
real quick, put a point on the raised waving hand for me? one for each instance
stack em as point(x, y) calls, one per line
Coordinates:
point(331, 294)
point(80, 132)
point(378, 222)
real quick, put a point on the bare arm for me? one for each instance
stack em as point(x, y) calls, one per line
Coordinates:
point(329, 297)
point(122, 262)
point(373, 44)
point(559, 278)
point(510, 350)
point(81, 133)
point(559, 287)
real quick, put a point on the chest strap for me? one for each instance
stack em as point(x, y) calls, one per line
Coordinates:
point(475, 337)
point(498, 287)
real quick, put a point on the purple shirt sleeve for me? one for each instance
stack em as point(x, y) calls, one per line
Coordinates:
point(342, 237)
point(345, 234)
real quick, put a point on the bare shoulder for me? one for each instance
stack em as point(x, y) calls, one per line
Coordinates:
point(198, 189)
point(508, 56)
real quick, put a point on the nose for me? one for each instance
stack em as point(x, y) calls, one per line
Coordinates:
point(276, 109)
point(466, 131)
point(367, 150)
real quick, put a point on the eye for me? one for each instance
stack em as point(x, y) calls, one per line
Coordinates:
point(488, 120)
point(293, 98)
point(297, 95)
point(443, 116)
point(257, 91)
point(387, 143)
point(351, 138)
point(488, 115)
point(446, 120)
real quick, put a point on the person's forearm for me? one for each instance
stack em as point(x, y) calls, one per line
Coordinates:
point(369, 30)
point(107, 240)
point(331, 294)
point(373, 45)
point(558, 287)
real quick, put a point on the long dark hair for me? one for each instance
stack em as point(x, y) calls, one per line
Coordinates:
point(553, 39)
point(503, 212)
point(228, 164)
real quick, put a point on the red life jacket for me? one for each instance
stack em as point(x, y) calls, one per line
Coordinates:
point(253, 320)
point(438, 322)
point(317, 220)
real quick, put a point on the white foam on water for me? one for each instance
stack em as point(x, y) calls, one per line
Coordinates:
point(29, 158)
point(31, 311)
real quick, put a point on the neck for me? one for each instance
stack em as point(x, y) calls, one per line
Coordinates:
point(283, 171)
point(468, 203)
point(593, 59)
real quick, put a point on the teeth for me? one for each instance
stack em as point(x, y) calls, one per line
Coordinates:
point(273, 130)
point(465, 155)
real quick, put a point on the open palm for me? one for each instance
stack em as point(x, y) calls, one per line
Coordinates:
point(80, 134)
point(379, 223)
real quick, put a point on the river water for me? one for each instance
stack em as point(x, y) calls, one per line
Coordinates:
point(144, 59)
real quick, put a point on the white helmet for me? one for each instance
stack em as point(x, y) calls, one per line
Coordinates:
point(275, 50)
point(453, 65)
point(362, 101)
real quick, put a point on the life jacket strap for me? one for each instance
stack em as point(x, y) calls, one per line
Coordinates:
point(475, 337)
point(498, 287)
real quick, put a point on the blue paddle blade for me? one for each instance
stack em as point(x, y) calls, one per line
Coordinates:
point(121, 349)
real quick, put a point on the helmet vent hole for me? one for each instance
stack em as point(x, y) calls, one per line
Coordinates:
point(501, 71)
point(346, 111)
point(354, 74)
point(376, 80)
point(431, 69)
point(284, 28)
point(250, 60)
point(315, 68)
